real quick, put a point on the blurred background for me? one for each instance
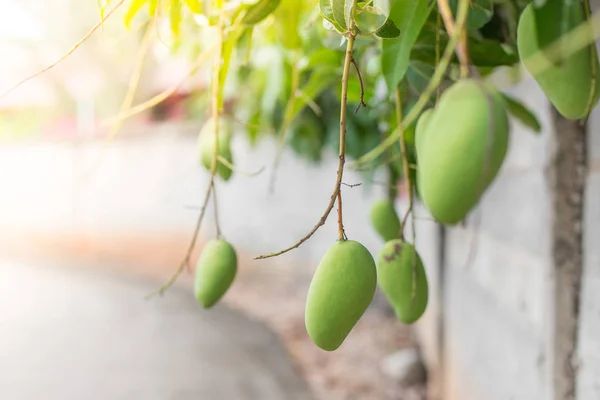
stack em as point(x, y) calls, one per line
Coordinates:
point(96, 214)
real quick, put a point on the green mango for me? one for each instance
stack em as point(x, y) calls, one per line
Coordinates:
point(398, 268)
point(465, 146)
point(420, 128)
point(567, 82)
point(385, 219)
point(340, 292)
point(206, 140)
point(215, 271)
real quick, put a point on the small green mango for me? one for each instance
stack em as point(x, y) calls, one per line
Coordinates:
point(398, 266)
point(206, 140)
point(340, 292)
point(421, 128)
point(466, 142)
point(215, 271)
point(385, 219)
point(567, 84)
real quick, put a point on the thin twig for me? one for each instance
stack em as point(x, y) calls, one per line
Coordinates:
point(161, 96)
point(310, 102)
point(362, 88)
point(229, 165)
point(461, 50)
point(71, 50)
point(213, 166)
point(408, 185)
point(216, 208)
point(440, 70)
point(568, 44)
point(352, 185)
point(135, 77)
point(409, 191)
point(341, 162)
point(132, 87)
point(217, 61)
point(246, 124)
point(341, 231)
point(188, 255)
point(378, 164)
point(392, 191)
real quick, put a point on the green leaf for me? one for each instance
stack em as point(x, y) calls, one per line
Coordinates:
point(354, 91)
point(326, 10)
point(339, 13)
point(102, 6)
point(325, 58)
point(480, 12)
point(522, 113)
point(371, 16)
point(288, 16)
point(317, 83)
point(134, 8)
point(553, 19)
point(195, 6)
point(418, 75)
point(409, 16)
point(388, 30)
point(226, 52)
point(307, 136)
point(483, 53)
point(175, 17)
point(253, 124)
point(244, 44)
point(259, 11)
point(152, 7)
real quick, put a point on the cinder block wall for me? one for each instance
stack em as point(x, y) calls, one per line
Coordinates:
point(588, 382)
point(496, 274)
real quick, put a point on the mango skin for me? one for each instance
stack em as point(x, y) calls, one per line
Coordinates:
point(340, 292)
point(215, 271)
point(421, 128)
point(567, 85)
point(396, 264)
point(385, 220)
point(206, 140)
point(462, 152)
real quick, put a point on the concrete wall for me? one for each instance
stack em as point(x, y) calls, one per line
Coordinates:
point(153, 184)
point(499, 286)
point(496, 276)
point(588, 382)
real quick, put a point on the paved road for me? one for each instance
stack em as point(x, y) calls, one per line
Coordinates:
point(72, 335)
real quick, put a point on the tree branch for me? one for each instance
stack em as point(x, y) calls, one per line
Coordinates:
point(362, 88)
point(405, 167)
point(340, 171)
point(161, 96)
point(229, 165)
point(213, 166)
point(461, 50)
